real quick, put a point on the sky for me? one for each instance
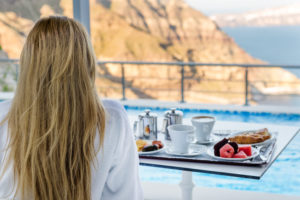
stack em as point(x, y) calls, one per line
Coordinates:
point(212, 7)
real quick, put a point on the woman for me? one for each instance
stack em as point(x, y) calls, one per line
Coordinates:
point(57, 140)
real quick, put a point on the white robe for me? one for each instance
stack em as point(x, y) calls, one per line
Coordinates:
point(115, 175)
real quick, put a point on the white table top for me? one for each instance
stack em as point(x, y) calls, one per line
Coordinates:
point(285, 135)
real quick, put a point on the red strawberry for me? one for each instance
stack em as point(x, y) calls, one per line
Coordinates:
point(240, 154)
point(226, 151)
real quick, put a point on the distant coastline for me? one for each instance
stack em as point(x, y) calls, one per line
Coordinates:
point(274, 16)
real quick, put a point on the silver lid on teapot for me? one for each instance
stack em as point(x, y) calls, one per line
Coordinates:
point(171, 117)
point(147, 114)
point(174, 113)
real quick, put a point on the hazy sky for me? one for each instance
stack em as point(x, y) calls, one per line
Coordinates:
point(211, 7)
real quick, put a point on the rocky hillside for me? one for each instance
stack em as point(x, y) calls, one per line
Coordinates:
point(187, 35)
point(152, 30)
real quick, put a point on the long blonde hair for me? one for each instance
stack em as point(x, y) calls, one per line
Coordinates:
point(55, 114)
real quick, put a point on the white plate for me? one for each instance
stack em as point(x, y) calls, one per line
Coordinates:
point(151, 152)
point(211, 153)
point(211, 140)
point(255, 144)
point(194, 150)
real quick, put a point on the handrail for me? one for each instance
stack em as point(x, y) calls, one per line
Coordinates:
point(246, 66)
point(243, 65)
point(9, 60)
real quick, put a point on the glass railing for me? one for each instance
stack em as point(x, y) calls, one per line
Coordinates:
point(183, 81)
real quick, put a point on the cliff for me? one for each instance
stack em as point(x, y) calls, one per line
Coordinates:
point(187, 35)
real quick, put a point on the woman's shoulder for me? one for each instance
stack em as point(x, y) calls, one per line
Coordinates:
point(108, 103)
point(113, 108)
point(117, 126)
point(117, 121)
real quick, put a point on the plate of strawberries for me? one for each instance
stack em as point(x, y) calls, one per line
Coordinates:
point(231, 151)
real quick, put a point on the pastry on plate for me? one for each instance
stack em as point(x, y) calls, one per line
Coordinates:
point(251, 137)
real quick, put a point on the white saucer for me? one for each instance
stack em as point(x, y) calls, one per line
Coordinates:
point(194, 150)
point(211, 140)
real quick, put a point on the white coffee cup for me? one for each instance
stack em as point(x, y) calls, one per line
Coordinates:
point(204, 126)
point(181, 136)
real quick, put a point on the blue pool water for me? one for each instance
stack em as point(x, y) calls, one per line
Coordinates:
point(282, 177)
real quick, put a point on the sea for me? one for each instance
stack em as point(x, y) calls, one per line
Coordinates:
point(275, 45)
point(278, 45)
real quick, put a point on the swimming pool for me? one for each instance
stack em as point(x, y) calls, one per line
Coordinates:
point(283, 176)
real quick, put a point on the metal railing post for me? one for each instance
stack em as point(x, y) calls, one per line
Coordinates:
point(182, 84)
point(123, 83)
point(246, 87)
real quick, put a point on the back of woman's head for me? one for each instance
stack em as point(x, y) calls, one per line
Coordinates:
point(55, 113)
